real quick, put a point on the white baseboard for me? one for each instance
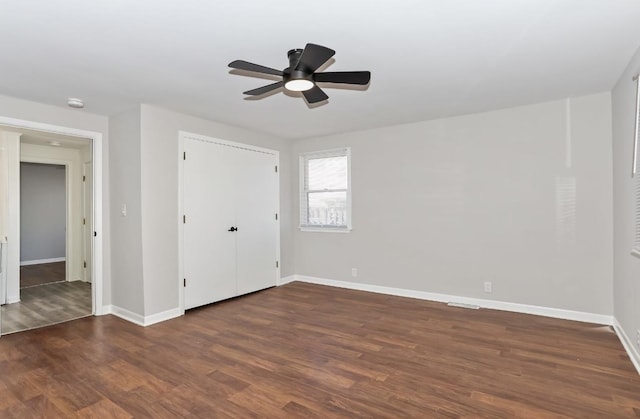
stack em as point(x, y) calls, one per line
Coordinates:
point(41, 261)
point(163, 316)
point(286, 280)
point(628, 345)
point(124, 314)
point(446, 298)
point(12, 300)
point(139, 319)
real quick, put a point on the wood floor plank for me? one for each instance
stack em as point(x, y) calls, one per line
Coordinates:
point(43, 273)
point(47, 304)
point(307, 351)
point(103, 409)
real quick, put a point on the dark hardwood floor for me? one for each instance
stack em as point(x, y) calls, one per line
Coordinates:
point(304, 350)
point(44, 273)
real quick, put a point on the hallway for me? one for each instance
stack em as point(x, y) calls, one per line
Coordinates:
point(44, 305)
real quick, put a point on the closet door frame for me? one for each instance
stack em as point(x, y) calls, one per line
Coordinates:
point(182, 136)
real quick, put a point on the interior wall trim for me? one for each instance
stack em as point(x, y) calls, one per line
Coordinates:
point(446, 298)
point(285, 280)
point(140, 320)
point(97, 283)
point(41, 261)
point(628, 345)
point(162, 316)
point(124, 314)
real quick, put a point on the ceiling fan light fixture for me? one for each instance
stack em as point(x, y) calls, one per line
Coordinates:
point(298, 85)
point(302, 74)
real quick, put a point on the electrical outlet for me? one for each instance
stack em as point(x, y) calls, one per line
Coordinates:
point(354, 272)
point(123, 210)
point(488, 287)
point(638, 338)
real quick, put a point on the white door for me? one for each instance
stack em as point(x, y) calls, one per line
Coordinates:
point(4, 209)
point(209, 248)
point(87, 217)
point(256, 205)
point(230, 199)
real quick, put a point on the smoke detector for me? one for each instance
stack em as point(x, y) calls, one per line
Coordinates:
point(75, 103)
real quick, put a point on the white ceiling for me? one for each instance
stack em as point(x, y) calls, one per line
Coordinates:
point(44, 139)
point(428, 58)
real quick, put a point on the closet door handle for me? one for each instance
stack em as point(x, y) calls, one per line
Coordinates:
point(233, 229)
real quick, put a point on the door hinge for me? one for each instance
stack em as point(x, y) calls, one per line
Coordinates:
point(184, 219)
point(276, 169)
point(84, 221)
point(84, 178)
point(276, 216)
point(184, 155)
point(95, 234)
point(277, 264)
point(184, 282)
point(85, 263)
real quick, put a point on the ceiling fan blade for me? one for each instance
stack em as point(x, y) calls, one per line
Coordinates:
point(247, 66)
point(313, 57)
point(315, 94)
point(264, 89)
point(346, 77)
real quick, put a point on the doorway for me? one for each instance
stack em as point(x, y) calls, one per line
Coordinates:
point(43, 224)
point(54, 245)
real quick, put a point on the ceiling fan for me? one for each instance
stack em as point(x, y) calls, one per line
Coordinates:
point(300, 76)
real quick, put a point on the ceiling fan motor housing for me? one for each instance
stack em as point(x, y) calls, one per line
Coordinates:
point(290, 73)
point(294, 56)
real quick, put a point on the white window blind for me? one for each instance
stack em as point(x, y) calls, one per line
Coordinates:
point(325, 190)
point(636, 175)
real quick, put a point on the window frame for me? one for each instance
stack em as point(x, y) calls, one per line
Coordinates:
point(635, 248)
point(303, 191)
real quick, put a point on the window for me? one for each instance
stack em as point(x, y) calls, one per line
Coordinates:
point(636, 175)
point(325, 190)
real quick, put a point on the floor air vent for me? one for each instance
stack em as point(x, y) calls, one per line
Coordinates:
point(463, 305)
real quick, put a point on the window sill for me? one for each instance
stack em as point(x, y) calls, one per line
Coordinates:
point(326, 230)
point(635, 252)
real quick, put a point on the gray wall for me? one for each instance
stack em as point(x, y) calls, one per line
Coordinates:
point(626, 267)
point(520, 197)
point(42, 211)
point(126, 248)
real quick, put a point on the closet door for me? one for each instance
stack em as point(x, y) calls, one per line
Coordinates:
point(256, 206)
point(209, 207)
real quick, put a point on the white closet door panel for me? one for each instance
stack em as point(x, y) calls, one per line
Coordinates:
point(209, 248)
point(256, 203)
